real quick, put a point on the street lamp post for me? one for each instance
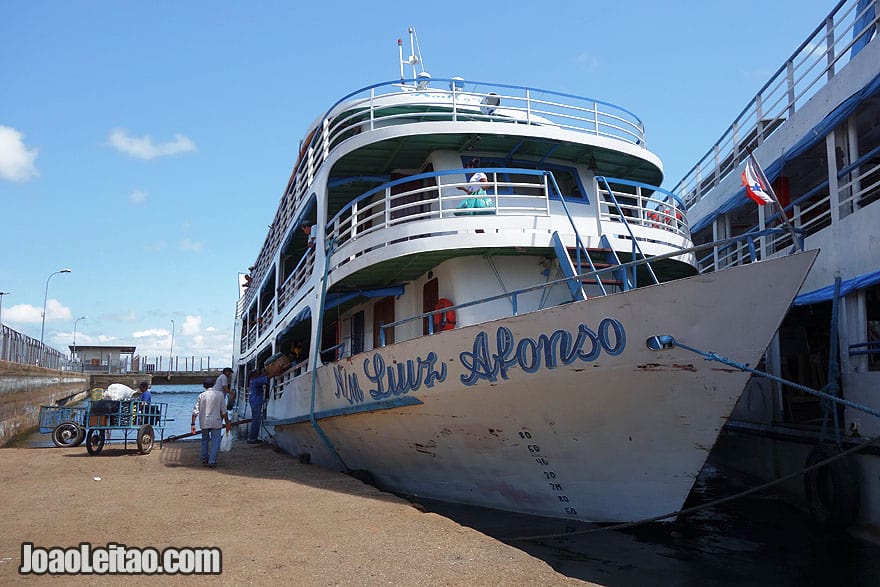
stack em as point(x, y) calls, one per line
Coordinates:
point(75, 322)
point(45, 300)
point(171, 351)
point(2, 293)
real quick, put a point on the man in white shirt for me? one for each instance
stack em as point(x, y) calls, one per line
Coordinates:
point(210, 408)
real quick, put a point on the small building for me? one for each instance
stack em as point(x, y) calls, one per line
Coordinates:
point(104, 359)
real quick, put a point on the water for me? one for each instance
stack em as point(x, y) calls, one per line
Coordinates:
point(758, 540)
point(180, 400)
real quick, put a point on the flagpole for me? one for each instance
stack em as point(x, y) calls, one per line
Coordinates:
point(772, 193)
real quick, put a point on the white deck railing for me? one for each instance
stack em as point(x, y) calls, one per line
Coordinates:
point(443, 100)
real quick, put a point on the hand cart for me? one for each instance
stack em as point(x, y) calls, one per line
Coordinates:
point(65, 423)
point(143, 419)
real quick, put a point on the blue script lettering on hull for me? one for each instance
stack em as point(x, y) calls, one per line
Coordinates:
point(530, 355)
point(527, 354)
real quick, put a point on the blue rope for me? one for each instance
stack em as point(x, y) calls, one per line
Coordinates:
point(743, 367)
point(317, 356)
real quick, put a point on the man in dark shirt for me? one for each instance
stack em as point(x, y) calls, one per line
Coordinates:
point(257, 393)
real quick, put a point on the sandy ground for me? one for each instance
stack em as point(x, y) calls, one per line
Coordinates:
point(276, 520)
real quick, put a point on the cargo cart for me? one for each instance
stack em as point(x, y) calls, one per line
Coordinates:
point(110, 419)
point(66, 424)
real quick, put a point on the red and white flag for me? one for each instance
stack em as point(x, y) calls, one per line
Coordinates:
point(755, 188)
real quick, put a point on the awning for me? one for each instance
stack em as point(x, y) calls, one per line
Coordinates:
point(337, 299)
point(826, 293)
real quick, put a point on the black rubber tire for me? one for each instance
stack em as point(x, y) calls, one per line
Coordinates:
point(68, 434)
point(95, 442)
point(833, 492)
point(145, 439)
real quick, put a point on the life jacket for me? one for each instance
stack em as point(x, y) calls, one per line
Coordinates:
point(444, 320)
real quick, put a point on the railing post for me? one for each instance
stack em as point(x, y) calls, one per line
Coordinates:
point(372, 106)
point(528, 107)
point(829, 47)
point(789, 80)
point(325, 137)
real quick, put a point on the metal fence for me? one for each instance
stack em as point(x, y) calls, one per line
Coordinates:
point(20, 348)
point(16, 347)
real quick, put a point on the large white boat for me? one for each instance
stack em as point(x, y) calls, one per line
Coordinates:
point(815, 128)
point(510, 342)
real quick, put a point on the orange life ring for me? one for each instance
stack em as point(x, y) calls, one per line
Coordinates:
point(444, 320)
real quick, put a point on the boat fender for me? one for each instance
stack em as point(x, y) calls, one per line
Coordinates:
point(833, 492)
point(444, 320)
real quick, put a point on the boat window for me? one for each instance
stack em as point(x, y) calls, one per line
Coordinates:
point(566, 177)
point(872, 312)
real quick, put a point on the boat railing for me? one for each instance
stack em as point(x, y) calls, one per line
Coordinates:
point(592, 275)
point(509, 192)
point(394, 103)
point(858, 185)
point(297, 278)
point(645, 204)
point(833, 43)
point(395, 203)
point(401, 102)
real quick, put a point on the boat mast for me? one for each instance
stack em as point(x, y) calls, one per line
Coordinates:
point(415, 55)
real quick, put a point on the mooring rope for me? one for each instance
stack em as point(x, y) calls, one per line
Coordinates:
point(704, 506)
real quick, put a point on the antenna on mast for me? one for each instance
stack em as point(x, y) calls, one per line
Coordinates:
point(415, 56)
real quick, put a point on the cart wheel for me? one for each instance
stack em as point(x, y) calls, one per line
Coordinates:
point(68, 434)
point(145, 439)
point(95, 441)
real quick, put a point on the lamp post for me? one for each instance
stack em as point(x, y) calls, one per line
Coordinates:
point(171, 350)
point(45, 300)
point(2, 293)
point(75, 322)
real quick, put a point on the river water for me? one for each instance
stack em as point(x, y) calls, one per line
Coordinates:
point(757, 540)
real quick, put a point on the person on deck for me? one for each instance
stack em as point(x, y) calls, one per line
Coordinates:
point(309, 230)
point(256, 397)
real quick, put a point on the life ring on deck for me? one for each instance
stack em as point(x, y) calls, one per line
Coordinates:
point(833, 492)
point(444, 320)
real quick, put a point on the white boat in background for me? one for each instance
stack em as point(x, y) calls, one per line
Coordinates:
point(513, 355)
point(815, 127)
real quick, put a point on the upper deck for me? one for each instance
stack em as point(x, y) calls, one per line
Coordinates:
point(369, 134)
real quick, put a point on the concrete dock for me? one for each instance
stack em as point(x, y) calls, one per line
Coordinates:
point(275, 520)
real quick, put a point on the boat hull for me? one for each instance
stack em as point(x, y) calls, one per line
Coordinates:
point(564, 412)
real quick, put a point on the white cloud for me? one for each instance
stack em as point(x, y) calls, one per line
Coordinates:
point(28, 314)
point(143, 147)
point(188, 245)
point(16, 160)
point(192, 326)
point(157, 332)
point(137, 197)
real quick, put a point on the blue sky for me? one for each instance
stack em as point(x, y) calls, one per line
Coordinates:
point(145, 145)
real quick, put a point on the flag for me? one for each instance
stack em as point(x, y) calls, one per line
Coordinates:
point(755, 188)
